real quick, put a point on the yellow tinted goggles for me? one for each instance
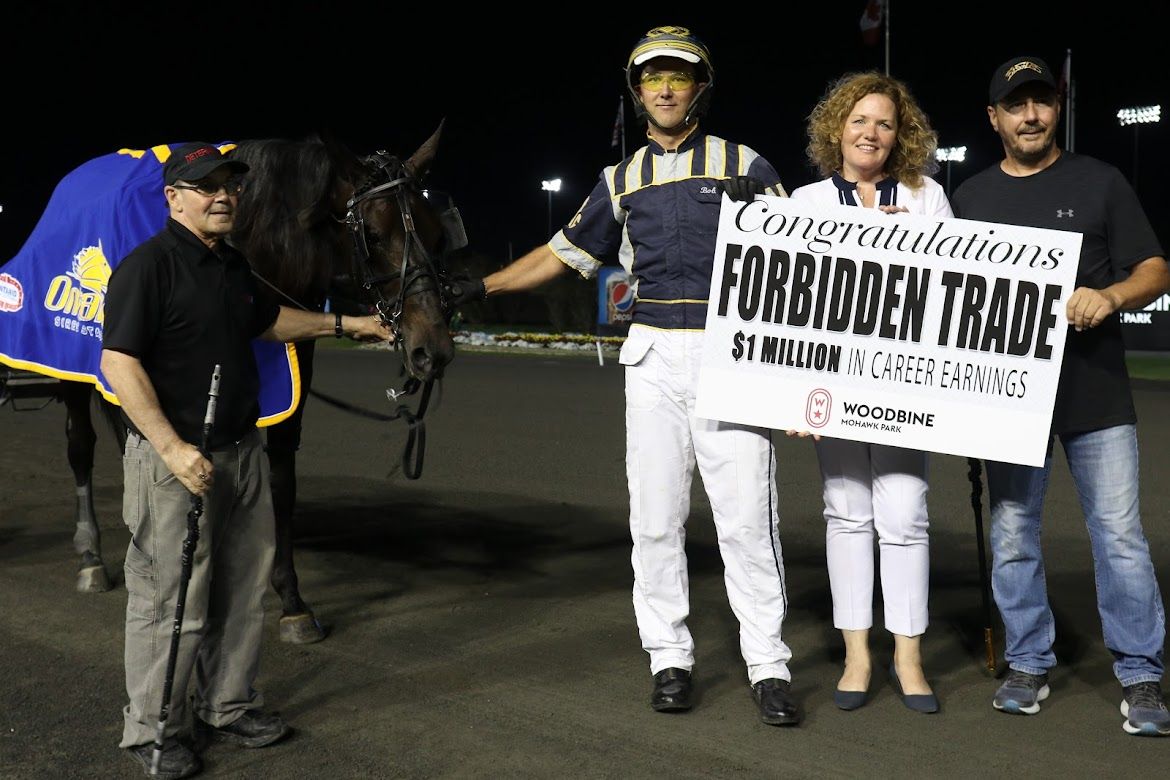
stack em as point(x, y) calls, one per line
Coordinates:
point(676, 80)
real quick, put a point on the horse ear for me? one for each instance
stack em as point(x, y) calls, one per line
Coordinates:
point(420, 161)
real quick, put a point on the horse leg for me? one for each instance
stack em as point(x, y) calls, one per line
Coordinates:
point(87, 538)
point(298, 625)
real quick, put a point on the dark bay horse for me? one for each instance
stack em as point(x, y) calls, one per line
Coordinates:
point(312, 213)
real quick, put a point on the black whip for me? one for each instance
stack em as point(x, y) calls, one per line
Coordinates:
point(184, 578)
point(974, 474)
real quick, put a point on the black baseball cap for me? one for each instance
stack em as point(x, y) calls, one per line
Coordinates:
point(195, 161)
point(1017, 72)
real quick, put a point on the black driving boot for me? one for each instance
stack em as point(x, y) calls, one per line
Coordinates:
point(672, 690)
point(777, 707)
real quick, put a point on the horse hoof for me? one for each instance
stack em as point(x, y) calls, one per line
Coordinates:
point(93, 579)
point(302, 629)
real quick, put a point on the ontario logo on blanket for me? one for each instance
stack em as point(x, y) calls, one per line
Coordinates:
point(52, 293)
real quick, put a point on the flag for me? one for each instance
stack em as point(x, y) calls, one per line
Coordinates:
point(619, 124)
point(871, 21)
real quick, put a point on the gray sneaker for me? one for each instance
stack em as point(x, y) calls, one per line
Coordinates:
point(1145, 710)
point(1021, 693)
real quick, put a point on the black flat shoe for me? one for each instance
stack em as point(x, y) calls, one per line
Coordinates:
point(774, 698)
point(849, 700)
point(926, 703)
point(672, 690)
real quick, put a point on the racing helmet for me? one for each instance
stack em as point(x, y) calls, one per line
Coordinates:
point(671, 41)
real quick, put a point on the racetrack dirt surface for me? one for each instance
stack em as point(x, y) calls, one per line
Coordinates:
point(481, 622)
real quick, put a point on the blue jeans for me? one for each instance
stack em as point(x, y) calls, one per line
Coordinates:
point(1104, 467)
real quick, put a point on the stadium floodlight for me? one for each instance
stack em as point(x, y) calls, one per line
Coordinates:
point(950, 154)
point(550, 186)
point(1138, 116)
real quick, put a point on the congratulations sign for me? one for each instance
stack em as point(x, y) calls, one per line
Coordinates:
point(935, 334)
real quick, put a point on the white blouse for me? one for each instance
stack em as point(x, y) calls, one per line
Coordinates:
point(929, 199)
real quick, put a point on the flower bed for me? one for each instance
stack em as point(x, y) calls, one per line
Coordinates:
point(530, 340)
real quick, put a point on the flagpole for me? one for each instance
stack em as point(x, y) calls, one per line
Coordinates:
point(619, 127)
point(1070, 107)
point(622, 109)
point(886, 20)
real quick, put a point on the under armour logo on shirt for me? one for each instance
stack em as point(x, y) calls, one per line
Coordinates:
point(1062, 213)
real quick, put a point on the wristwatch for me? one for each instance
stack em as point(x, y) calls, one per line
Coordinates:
point(337, 331)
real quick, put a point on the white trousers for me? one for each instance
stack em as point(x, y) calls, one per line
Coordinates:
point(664, 443)
point(868, 486)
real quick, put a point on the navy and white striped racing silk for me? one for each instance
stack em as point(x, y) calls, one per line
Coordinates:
point(657, 213)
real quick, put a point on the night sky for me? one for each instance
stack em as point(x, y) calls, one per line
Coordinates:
point(532, 99)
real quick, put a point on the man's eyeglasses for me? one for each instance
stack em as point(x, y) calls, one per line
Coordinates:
point(676, 80)
point(210, 189)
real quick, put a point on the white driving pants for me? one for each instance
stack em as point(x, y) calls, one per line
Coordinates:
point(664, 443)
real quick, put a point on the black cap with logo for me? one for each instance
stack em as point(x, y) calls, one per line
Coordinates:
point(1017, 72)
point(195, 161)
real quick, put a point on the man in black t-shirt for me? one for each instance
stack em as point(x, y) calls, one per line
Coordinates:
point(1039, 185)
point(178, 305)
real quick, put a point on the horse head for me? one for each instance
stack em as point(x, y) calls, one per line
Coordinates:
point(314, 213)
point(400, 239)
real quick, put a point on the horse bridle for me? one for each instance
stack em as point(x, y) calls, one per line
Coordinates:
point(414, 277)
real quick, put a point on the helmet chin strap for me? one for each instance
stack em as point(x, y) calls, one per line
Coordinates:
point(674, 129)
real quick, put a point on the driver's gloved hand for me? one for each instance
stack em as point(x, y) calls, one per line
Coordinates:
point(742, 188)
point(463, 289)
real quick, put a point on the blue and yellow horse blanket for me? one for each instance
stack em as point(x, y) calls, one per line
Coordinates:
point(52, 293)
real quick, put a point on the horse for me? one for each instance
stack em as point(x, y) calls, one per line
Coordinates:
point(313, 219)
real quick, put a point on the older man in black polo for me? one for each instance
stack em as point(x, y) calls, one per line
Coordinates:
point(181, 303)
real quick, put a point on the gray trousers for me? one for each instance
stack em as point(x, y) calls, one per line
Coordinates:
point(223, 616)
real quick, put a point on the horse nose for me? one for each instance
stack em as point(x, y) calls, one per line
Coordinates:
point(420, 360)
point(428, 361)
